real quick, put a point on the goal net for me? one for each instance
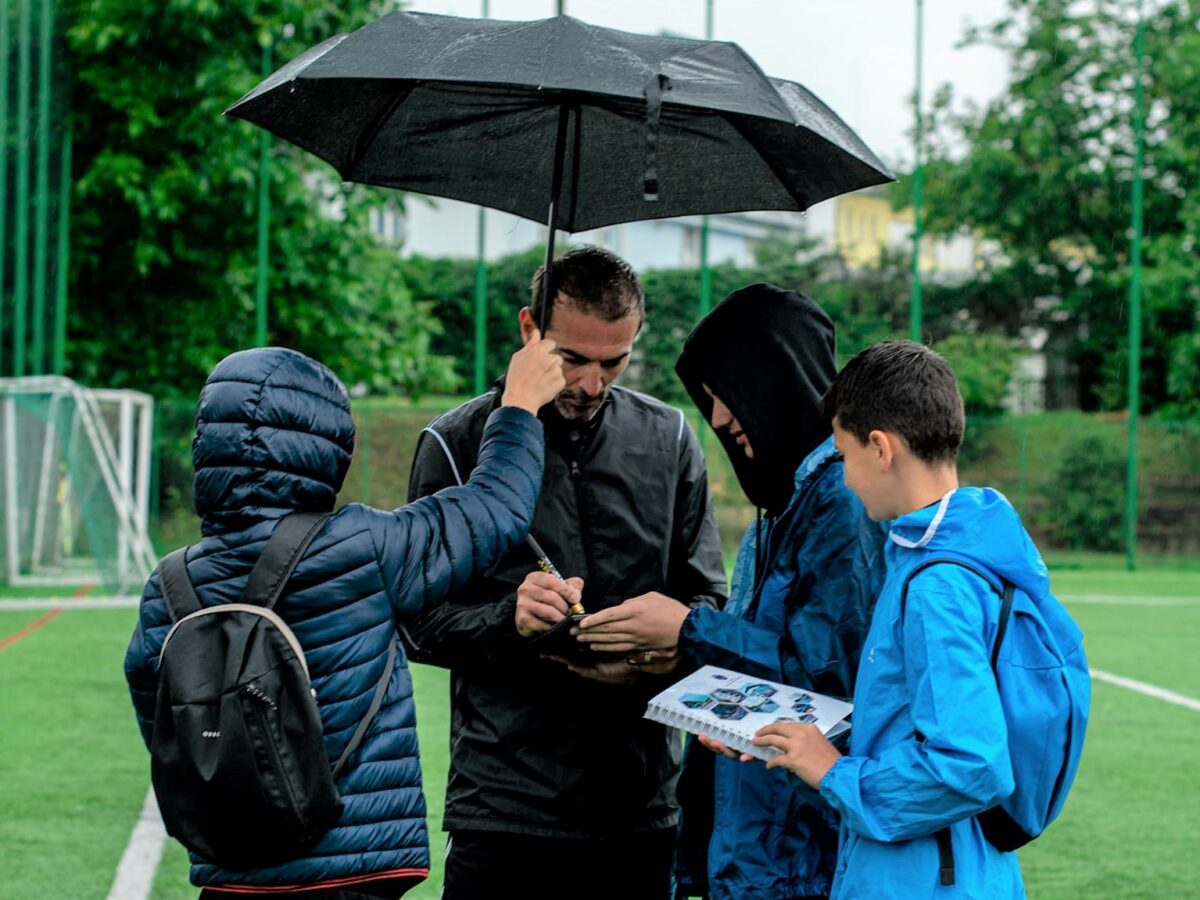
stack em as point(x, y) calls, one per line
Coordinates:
point(74, 484)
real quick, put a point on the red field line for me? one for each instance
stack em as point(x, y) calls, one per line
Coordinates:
point(29, 629)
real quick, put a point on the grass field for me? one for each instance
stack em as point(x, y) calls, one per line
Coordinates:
point(74, 773)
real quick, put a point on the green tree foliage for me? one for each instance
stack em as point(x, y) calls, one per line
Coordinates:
point(448, 287)
point(866, 307)
point(1084, 508)
point(1046, 175)
point(165, 204)
point(983, 364)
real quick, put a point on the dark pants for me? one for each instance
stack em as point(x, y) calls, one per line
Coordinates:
point(490, 865)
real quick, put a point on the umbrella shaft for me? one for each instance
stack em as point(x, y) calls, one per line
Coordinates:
point(560, 152)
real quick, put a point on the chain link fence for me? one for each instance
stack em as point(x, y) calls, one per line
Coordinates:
point(1064, 473)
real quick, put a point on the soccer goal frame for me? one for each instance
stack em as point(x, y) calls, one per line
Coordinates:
point(60, 442)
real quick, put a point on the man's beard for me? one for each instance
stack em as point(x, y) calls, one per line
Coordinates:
point(576, 406)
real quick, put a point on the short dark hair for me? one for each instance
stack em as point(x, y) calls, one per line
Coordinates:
point(597, 280)
point(905, 388)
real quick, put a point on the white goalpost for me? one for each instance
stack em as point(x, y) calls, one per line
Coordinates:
point(74, 484)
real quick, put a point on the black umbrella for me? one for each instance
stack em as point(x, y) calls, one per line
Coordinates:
point(560, 121)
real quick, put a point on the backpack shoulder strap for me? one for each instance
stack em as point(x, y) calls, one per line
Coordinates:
point(376, 702)
point(280, 557)
point(945, 847)
point(177, 588)
point(1004, 590)
point(943, 560)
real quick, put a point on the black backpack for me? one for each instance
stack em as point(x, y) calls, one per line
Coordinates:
point(238, 756)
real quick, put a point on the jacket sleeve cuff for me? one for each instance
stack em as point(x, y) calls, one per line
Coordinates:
point(691, 633)
point(515, 420)
point(840, 783)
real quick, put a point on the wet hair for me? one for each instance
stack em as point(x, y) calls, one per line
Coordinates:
point(904, 388)
point(598, 281)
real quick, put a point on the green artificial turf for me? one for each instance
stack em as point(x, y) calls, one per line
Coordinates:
point(74, 772)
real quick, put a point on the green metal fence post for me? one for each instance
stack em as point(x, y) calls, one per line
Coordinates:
point(41, 245)
point(1135, 294)
point(21, 254)
point(64, 257)
point(364, 456)
point(264, 217)
point(481, 310)
point(705, 272)
point(481, 280)
point(914, 330)
point(1023, 467)
point(5, 50)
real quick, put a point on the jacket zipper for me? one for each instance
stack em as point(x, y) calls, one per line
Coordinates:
point(584, 533)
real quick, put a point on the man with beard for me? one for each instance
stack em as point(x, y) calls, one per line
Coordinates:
point(558, 786)
point(805, 582)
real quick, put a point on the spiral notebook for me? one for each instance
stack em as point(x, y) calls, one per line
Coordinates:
point(731, 707)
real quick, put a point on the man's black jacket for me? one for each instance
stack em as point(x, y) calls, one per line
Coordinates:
point(535, 748)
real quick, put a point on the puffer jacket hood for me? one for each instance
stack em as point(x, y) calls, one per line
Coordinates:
point(978, 524)
point(274, 435)
point(768, 354)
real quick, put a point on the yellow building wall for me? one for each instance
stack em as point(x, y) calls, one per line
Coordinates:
point(861, 227)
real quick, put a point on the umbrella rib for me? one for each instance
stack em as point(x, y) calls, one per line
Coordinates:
point(782, 182)
point(367, 137)
point(575, 153)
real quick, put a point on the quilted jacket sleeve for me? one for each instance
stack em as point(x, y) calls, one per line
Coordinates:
point(141, 672)
point(436, 544)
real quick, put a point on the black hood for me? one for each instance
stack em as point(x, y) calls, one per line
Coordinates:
point(769, 355)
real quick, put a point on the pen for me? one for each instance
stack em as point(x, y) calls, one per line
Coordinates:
point(543, 562)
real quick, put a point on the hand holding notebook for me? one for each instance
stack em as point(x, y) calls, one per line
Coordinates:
point(732, 707)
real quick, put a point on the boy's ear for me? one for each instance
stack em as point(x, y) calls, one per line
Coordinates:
point(525, 318)
point(883, 446)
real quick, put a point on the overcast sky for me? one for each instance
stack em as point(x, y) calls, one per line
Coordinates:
point(856, 55)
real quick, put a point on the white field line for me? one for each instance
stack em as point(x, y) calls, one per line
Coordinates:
point(1115, 600)
point(1148, 690)
point(23, 603)
point(139, 862)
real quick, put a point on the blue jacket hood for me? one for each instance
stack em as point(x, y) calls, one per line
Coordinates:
point(978, 524)
point(273, 435)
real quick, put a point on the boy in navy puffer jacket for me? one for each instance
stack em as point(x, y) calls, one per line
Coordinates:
point(274, 436)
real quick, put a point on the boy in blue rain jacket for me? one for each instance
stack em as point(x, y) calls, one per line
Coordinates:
point(929, 747)
point(274, 436)
point(806, 576)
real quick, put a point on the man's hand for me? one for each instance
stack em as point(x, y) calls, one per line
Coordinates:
point(535, 375)
point(649, 622)
point(655, 662)
point(617, 671)
point(543, 601)
point(806, 753)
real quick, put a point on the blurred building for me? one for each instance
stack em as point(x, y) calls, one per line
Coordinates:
point(858, 226)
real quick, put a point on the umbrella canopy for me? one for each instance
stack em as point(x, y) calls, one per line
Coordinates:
point(560, 121)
